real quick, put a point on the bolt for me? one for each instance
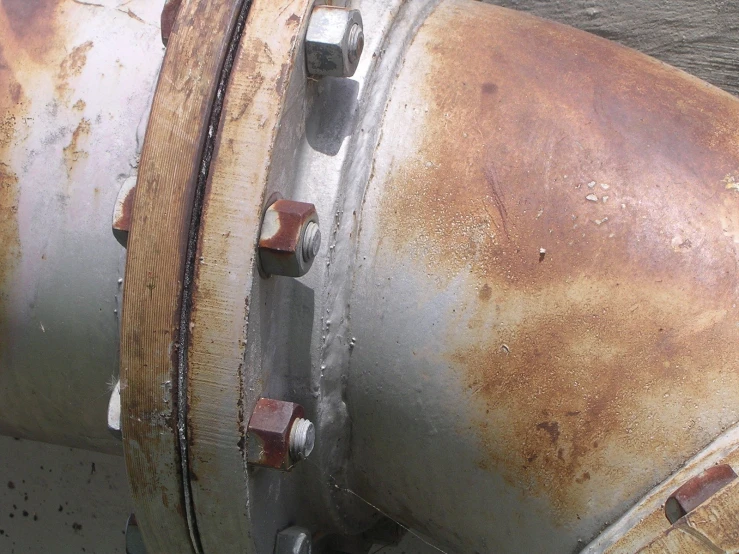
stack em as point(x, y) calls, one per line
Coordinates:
point(302, 439)
point(169, 15)
point(114, 411)
point(334, 41)
point(293, 540)
point(123, 210)
point(134, 538)
point(697, 490)
point(311, 241)
point(355, 43)
point(278, 436)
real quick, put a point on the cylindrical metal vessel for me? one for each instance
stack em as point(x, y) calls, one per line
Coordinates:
point(73, 108)
point(545, 292)
point(523, 317)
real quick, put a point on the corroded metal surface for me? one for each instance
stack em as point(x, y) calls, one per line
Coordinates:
point(712, 527)
point(697, 490)
point(224, 379)
point(559, 215)
point(72, 100)
point(646, 521)
point(171, 175)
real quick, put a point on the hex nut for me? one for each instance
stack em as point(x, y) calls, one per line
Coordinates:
point(277, 435)
point(123, 210)
point(293, 540)
point(697, 490)
point(334, 41)
point(114, 412)
point(289, 239)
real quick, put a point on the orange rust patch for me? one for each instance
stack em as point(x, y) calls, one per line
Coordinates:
point(73, 152)
point(12, 109)
point(72, 66)
point(79, 105)
point(33, 24)
point(122, 219)
point(9, 240)
point(528, 136)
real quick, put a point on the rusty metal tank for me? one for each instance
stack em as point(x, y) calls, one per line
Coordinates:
point(518, 334)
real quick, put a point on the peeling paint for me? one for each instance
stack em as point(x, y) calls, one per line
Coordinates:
point(74, 152)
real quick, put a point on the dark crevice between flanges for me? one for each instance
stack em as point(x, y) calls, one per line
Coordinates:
point(190, 263)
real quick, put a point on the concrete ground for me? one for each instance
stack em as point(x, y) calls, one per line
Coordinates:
point(61, 500)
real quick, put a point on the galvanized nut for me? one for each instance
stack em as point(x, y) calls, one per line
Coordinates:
point(278, 436)
point(114, 412)
point(334, 41)
point(293, 540)
point(290, 238)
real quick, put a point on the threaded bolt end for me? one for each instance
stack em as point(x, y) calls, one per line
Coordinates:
point(311, 241)
point(302, 439)
point(355, 43)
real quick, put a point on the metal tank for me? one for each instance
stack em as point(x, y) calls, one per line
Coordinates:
point(428, 265)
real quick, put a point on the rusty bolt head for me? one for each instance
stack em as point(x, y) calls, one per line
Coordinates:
point(697, 490)
point(123, 210)
point(334, 41)
point(290, 238)
point(169, 15)
point(277, 436)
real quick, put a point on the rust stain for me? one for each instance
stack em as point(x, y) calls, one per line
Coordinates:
point(132, 15)
point(79, 105)
point(33, 25)
point(697, 490)
point(292, 216)
point(251, 60)
point(71, 66)
point(9, 239)
point(122, 221)
point(534, 137)
point(73, 151)
point(169, 16)
point(13, 106)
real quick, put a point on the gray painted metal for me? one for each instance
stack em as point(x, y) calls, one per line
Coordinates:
point(68, 143)
point(330, 340)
